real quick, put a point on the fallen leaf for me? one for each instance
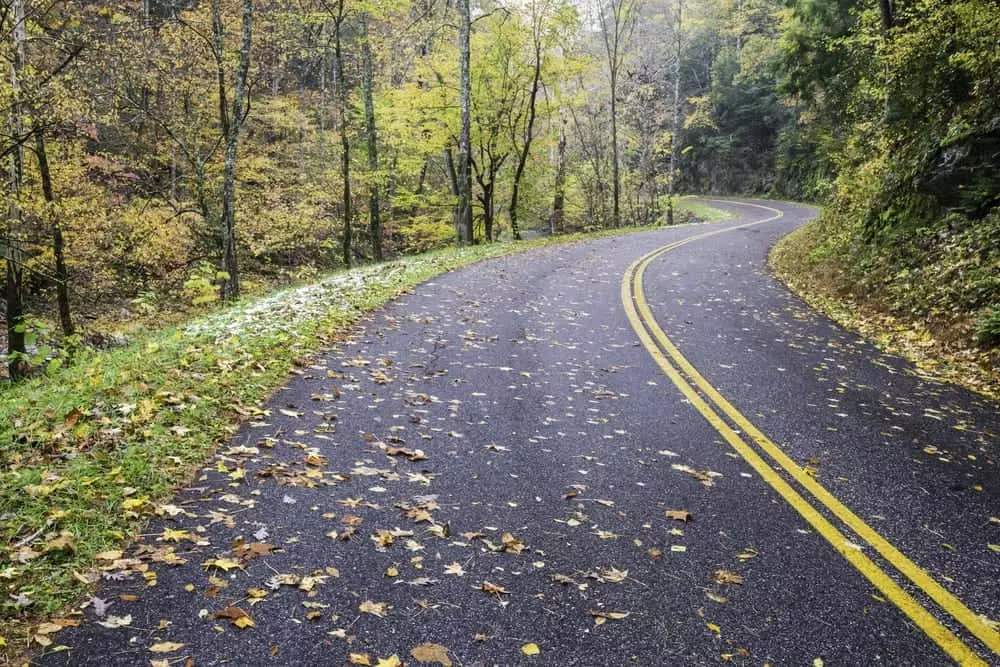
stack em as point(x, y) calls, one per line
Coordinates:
point(380, 609)
point(64, 542)
point(226, 564)
point(237, 617)
point(613, 575)
point(391, 661)
point(165, 647)
point(172, 535)
point(359, 659)
point(727, 577)
point(678, 515)
point(601, 616)
point(116, 621)
point(511, 544)
point(455, 569)
point(487, 587)
point(48, 628)
point(434, 653)
point(530, 649)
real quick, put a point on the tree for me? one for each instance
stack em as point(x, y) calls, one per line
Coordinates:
point(463, 218)
point(617, 22)
point(525, 134)
point(371, 135)
point(13, 248)
point(675, 125)
point(232, 125)
point(341, 105)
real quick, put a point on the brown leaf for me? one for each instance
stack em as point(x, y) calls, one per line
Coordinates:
point(678, 515)
point(727, 577)
point(511, 544)
point(434, 653)
point(72, 418)
point(487, 587)
point(237, 617)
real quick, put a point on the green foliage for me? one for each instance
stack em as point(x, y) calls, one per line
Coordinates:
point(909, 121)
point(202, 287)
point(988, 327)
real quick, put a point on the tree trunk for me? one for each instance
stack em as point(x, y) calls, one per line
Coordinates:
point(62, 274)
point(449, 161)
point(486, 199)
point(676, 123)
point(464, 218)
point(615, 171)
point(232, 126)
point(345, 143)
point(17, 366)
point(556, 220)
point(528, 133)
point(374, 219)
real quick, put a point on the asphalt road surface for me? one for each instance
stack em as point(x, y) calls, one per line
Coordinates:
point(572, 457)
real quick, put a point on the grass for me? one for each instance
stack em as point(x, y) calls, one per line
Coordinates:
point(692, 208)
point(829, 283)
point(96, 447)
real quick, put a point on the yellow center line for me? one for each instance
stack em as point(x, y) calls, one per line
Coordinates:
point(641, 317)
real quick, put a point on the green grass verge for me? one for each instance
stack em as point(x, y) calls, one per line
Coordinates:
point(92, 449)
point(804, 262)
point(693, 207)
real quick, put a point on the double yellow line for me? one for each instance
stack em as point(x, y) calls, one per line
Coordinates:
point(713, 407)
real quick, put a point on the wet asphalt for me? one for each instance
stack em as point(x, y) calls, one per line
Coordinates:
point(551, 447)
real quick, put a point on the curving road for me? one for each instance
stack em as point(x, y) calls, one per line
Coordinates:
point(635, 450)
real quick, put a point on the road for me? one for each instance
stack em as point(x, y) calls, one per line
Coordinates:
point(588, 454)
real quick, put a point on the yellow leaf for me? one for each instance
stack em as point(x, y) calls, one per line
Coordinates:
point(993, 547)
point(226, 564)
point(165, 647)
point(391, 661)
point(130, 504)
point(714, 628)
point(359, 659)
point(244, 622)
point(172, 535)
point(530, 649)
